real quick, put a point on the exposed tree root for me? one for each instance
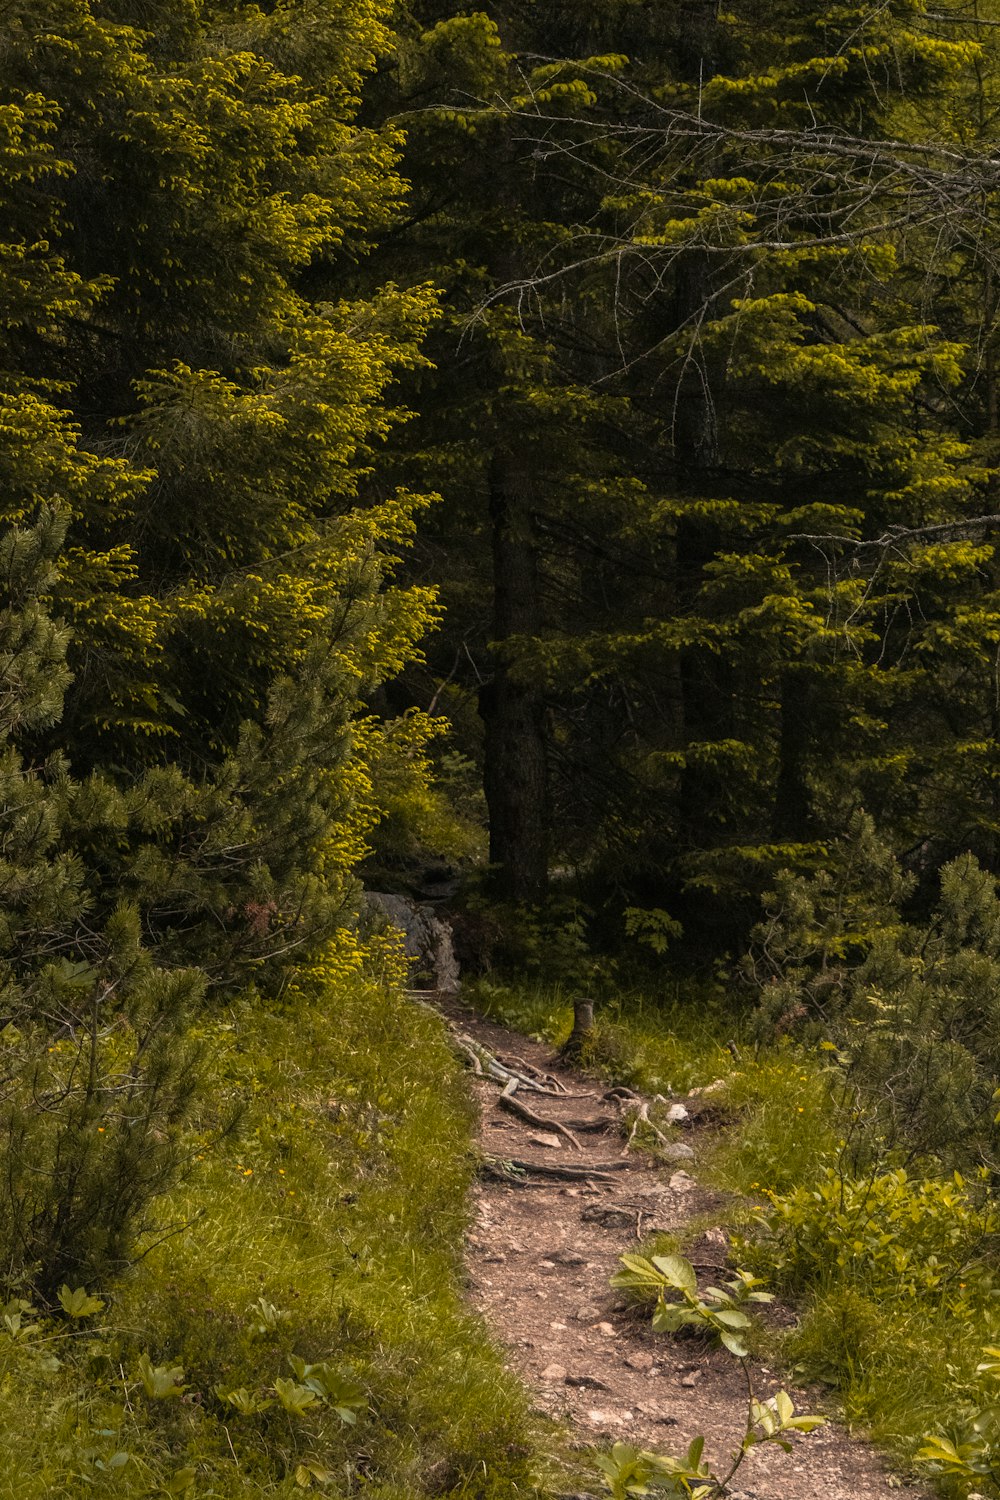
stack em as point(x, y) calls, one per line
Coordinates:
point(641, 1117)
point(513, 1169)
point(511, 1078)
point(600, 1169)
point(541, 1122)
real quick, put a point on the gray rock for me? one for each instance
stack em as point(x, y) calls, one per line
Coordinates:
point(607, 1217)
point(554, 1374)
point(677, 1151)
point(546, 1138)
point(427, 940)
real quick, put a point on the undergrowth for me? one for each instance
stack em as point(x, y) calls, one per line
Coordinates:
point(313, 1247)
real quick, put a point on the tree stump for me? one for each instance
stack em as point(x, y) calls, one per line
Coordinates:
point(583, 1028)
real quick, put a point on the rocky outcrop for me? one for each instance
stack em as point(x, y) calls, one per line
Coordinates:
point(427, 940)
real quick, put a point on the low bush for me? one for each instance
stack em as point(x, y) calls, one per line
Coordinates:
point(896, 1236)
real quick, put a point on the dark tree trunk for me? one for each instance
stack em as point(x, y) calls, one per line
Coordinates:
point(513, 710)
point(791, 816)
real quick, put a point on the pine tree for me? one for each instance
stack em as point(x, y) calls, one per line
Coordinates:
point(196, 593)
point(709, 353)
point(229, 590)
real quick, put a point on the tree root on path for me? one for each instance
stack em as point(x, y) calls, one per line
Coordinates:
point(541, 1122)
point(641, 1117)
point(486, 1065)
point(513, 1169)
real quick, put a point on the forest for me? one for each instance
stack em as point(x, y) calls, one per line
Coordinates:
point(541, 462)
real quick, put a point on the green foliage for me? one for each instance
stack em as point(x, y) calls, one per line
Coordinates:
point(717, 1311)
point(629, 1471)
point(894, 1235)
point(197, 600)
point(79, 1304)
point(908, 1008)
point(634, 1471)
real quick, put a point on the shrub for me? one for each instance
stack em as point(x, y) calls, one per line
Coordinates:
point(894, 1235)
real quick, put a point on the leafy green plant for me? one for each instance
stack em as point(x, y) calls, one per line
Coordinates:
point(671, 1280)
point(715, 1310)
point(635, 1471)
point(897, 1234)
point(337, 1388)
point(78, 1304)
point(161, 1382)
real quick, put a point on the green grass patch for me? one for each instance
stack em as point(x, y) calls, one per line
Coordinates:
point(658, 1044)
point(321, 1222)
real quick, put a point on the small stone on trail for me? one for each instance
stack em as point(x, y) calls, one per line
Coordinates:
point(715, 1087)
point(654, 1413)
point(588, 1313)
point(570, 1192)
point(496, 1257)
point(639, 1361)
point(547, 1265)
point(692, 1379)
point(554, 1373)
point(590, 1381)
point(681, 1182)
point(676, 1114)
point(607, 1330)
point(559, 1327)
point(601, 1418)
point(607, 1216)
point(677, 1151)
point(546, 1138)
point(569, 1258)
point(716, 1238)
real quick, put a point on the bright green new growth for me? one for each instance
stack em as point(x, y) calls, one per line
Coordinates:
point(673, 1282)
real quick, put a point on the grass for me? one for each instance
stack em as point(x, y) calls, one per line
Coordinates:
point(322, 1218)
point(665, 1043)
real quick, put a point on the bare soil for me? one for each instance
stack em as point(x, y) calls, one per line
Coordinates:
point(540, 1257)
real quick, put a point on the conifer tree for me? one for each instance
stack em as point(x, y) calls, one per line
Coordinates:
point(713, 345)
point(196, 595)
point(229, 589)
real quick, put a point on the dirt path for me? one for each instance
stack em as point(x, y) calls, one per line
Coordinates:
point(540, 1258)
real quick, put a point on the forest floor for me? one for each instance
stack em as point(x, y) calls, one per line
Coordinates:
point(541, 1254)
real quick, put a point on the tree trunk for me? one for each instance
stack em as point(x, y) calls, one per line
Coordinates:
point(513, 710)
point(792, 810)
